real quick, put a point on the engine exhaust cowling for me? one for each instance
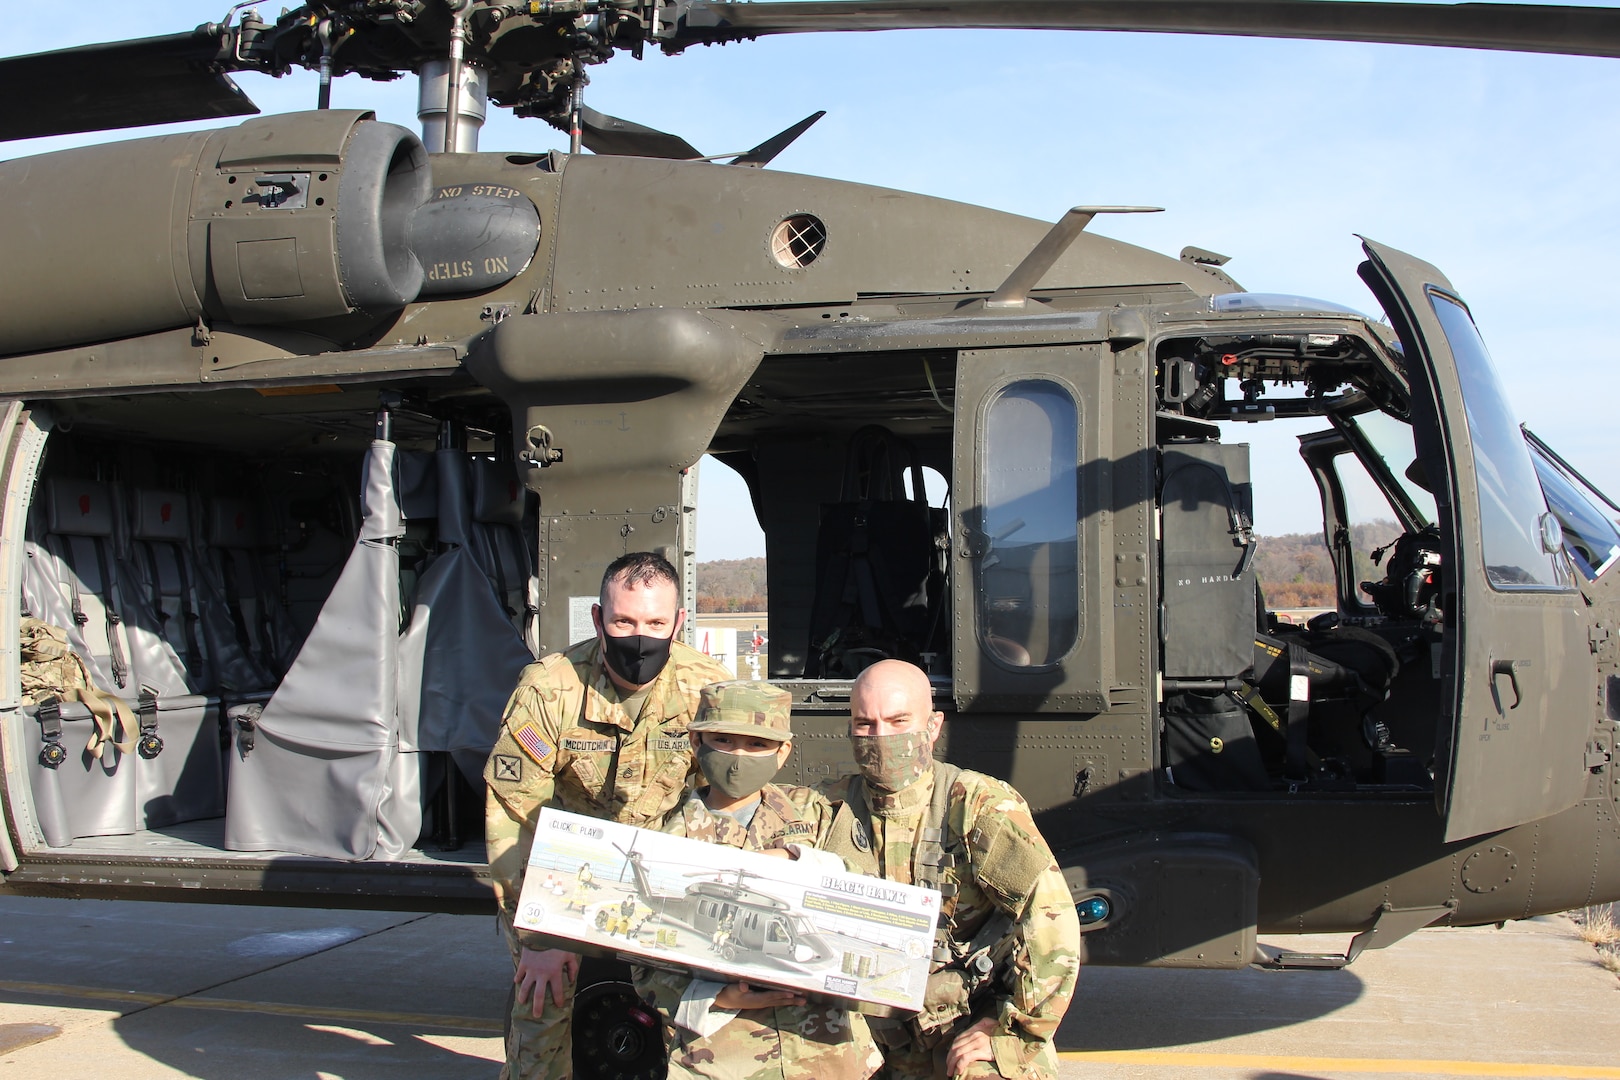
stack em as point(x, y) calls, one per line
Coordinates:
point(299, 220)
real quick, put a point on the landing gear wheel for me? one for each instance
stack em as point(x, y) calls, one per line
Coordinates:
point(616, 1037)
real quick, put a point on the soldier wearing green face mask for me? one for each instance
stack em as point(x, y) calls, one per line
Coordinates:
point(1008, 949)
point(733, 1031)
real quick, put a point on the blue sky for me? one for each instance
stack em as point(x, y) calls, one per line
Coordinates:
point(1498, 168)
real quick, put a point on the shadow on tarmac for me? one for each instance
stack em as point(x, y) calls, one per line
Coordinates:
point(1148, 1008)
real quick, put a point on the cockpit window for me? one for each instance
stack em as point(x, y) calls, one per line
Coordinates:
point(1590, 535)
point(1510, 499)
point(1391, 439)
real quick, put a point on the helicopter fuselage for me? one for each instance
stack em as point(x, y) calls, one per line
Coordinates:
point(175, 337)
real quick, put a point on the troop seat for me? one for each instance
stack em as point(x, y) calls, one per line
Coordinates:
point(77, 580)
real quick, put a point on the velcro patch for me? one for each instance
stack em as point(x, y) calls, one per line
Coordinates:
point(588, 746)
point(509, 768)
point(528, 737)
point(797, 828)
point(676, 743)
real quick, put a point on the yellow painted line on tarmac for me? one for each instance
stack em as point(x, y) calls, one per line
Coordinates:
point(1279, 1063)
point(438, 1021)
point(86, 993)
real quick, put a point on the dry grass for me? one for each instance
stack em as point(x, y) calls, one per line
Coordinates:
point(1597, 926)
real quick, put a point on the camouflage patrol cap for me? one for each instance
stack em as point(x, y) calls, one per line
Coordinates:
point(743, 707)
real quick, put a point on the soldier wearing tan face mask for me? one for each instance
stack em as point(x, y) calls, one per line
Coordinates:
point(1008, 949)
point(720, 1031)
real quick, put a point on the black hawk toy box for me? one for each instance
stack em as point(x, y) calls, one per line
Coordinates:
point(600, 887)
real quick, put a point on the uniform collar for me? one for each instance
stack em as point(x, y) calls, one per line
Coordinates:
point(907, 798)
point(774, 811)
point(602, 705)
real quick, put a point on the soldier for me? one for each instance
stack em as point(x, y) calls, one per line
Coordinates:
point(730, 1031)
point(599, 729)
point(1008, 950)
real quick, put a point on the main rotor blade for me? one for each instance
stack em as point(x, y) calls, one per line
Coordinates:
point(609, 135)
point(1579, 31)
point(159, 80)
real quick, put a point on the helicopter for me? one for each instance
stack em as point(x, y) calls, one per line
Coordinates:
point(742, 919)
point(357, 417)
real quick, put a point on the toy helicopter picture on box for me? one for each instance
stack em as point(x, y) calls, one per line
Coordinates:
point(727, 913)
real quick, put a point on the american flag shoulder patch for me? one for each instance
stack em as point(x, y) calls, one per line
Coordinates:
point(527, 736)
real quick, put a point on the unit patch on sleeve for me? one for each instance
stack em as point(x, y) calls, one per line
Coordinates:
point(528, 737)
point(508, 768)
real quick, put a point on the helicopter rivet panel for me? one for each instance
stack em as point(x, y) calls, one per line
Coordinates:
point(1489, 869)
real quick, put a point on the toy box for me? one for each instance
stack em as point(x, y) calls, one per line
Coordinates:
point(602, 887)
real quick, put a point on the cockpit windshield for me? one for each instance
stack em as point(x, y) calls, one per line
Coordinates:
point(1591, 535)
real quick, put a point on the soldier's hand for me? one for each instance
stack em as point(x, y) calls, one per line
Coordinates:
point(970, 1046)
point(737, 997)
point(545, 971)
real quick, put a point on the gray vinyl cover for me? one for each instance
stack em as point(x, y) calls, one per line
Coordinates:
point(186, 780)
point(461, 656)
point(1209, 616)
point(325, 776)
point(418, 484)
point(234, 672)
point(84, 796)
point(161, 515)
point(118, 794)
point(42, 593)
point(498, 492)
point(234, 525)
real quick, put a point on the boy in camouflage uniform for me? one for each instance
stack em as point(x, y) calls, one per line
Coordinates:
point(599, 729)
point(731, 1032)
point(1008, 952)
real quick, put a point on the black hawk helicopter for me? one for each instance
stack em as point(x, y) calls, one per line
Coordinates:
point(318, 430)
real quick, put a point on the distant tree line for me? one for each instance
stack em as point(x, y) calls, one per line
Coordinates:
point(1294, 570)
point(726, 585)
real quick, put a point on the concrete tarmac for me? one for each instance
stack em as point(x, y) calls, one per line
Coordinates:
point(107, 990)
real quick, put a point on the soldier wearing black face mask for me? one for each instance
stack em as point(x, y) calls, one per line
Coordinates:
point(598, 729)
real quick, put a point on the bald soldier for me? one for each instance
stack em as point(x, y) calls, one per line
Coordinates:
point(599, 729)
point(1008, 950)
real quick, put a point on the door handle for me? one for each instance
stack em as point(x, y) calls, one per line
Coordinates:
point(1511, 669)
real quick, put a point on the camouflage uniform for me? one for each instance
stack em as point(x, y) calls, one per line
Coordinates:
point(820, 1041)
point(1001, 886)
point(565, 741)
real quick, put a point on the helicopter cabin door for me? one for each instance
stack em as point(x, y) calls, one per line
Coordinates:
point(1030, 529)
point(1517, 658)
